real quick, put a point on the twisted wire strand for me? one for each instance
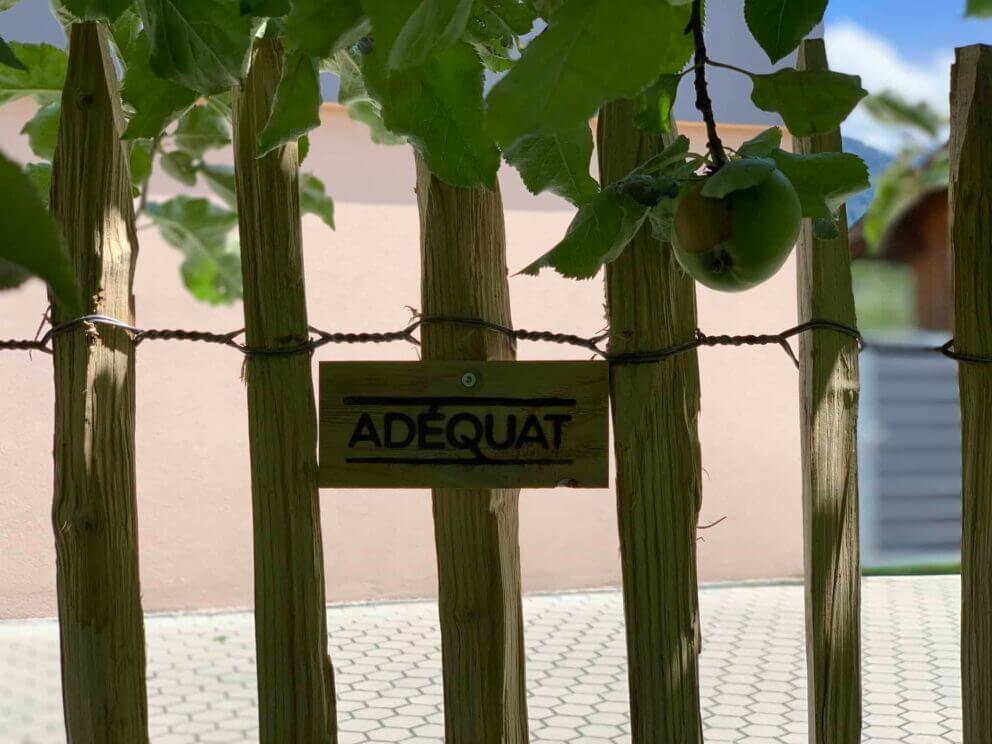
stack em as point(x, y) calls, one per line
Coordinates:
point(318, 338)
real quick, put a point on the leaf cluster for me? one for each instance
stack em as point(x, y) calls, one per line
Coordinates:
point(921, 168)
point(979, 8)
point(178, 109)
point(590, 54)
point(605, 225)
point(467, 83)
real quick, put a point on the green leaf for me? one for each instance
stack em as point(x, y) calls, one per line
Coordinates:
point(546, 8)
point(355, 97)
point(209, 277)
point(140, 161)
point(648, 190)
point(96, 10)
point(762, 145)
point(314, 199)
point(654, 105)
point(321, 27)
point(558, 163)
point(661, 217)
point(598, 235)
point(202, 128)
point(302, 148)
point(589, 54)
point(9, 59)
point(895, 193)
point(779, 25)
point(63, 17)
point(438, 107)
point(296, 107)
point(738, 175)
point(31, 238)
point(264, 8)
point(40, 175)
point(369, 114)
point(899, 188)
point(889, 107)
point(43, 130)
point(199, 44)
point(493, 40)
point(495, 61)
point(979, 8)
point(348, 65)
point(180, 166)
point(125, 31)
point(221, 103)
point(202, 231)
point(809, 101)
point(825, 228)
point(673, 156)
point(8, 4)
point(516, 16)
point(12, 276)
point(220, 179)
point(42, 73)
point(155, 101)
point(433, 26)
point(824, 181)
point(387, 19)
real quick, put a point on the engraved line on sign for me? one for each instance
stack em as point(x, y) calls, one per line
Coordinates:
point(455, 461)
point(447, 400)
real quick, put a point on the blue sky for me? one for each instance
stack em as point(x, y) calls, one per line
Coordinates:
point(903, 45)
point(920, 27)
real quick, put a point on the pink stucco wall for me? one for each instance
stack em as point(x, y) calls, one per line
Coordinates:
point(193, 477)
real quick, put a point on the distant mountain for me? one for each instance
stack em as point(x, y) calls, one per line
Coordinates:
point(877, 161)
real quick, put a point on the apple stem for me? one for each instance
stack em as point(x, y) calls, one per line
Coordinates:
point(703, 101)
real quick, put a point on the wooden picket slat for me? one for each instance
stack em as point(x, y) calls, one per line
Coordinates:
point(829, 391)
point(295, 676)
point(651, 304)
point(95, 513)
point(971, 245)
point(463, 259)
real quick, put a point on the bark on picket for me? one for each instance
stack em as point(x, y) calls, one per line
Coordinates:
point(971, 245)
point(651, 304)
point(829, 391)
point(463, 259)
point(295, 676)
point(94, 512)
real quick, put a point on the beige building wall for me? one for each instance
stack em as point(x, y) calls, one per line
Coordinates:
point(192, 449)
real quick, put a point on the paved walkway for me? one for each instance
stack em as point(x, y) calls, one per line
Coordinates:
point(202, 686)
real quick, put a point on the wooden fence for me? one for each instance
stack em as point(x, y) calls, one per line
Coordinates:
point(971, 245)
point(828, 384)
point(462, 249)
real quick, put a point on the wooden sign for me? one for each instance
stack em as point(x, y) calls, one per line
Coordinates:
point(464, 424)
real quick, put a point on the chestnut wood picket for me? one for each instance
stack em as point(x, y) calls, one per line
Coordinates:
point(295, 676)
point(829, 391)
point(95, 511)
point(971, 247)
point(463, 273)
point(651, 302)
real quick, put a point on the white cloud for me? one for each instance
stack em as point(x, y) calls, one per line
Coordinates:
point(857, 51)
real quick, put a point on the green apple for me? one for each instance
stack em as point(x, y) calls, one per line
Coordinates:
point(739, 241)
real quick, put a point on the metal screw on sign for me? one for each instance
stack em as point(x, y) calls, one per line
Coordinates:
point(469, 379)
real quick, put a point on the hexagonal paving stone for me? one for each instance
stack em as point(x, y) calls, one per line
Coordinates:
point(201, 672)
